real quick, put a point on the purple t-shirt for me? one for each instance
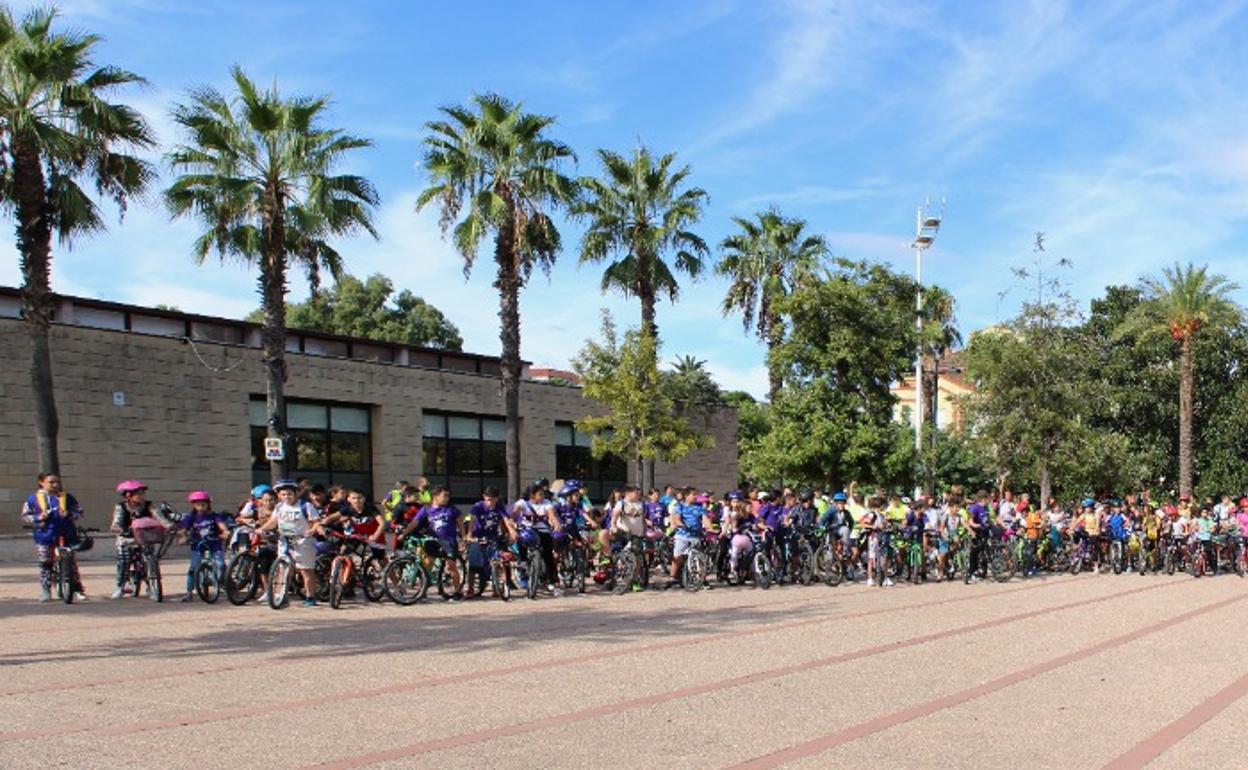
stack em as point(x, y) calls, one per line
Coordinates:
point(443, 521)
point(979, 514)
point(202, 527)
point(772, 515)
point(487, 522)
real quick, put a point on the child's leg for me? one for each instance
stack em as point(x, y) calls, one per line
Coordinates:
point(190, 572)
point(44, 554)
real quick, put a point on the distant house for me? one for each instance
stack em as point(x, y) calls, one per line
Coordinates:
point(554, 376)
point(952, 387)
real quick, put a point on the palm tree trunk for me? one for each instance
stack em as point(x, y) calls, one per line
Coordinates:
point(508, 284)
point(775, 378)
point(273, 333)
point(34, 243)
point(273, 343)
point(646, 293)
point(1185, 415)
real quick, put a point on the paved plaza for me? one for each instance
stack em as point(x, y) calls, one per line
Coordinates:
point(1061, 672)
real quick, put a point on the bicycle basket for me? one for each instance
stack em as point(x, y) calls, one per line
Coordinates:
point(148, 531)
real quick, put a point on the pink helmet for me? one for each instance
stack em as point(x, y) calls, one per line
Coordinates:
point(130, 486)
point(199, 496)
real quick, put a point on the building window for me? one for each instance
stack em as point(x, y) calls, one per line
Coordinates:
point(465, 453)
point(330, 443)
point(574, 460)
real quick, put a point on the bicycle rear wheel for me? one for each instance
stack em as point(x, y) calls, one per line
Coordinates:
point(762, 570)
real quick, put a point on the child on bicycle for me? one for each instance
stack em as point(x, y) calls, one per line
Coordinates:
point(52, 513)
point(444, 522)
point(204, 530)
point(297, 521)
point(492, 531)
point(134, 505)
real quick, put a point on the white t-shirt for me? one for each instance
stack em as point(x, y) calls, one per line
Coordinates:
point(629, 517)
point(292, 520)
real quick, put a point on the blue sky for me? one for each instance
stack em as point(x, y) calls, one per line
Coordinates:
point(1117, 128)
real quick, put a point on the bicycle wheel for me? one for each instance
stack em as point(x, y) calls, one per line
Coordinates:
point(762, 570)
point(694, 571)
point(623, 572)
point(404, 580)
point(155, 586)
point(207, 584)
point(337, 573)
point(805, 564)
point(65, 578)
point(279, 582)
point(580, 569)
point(1115, 557)
point(827, 565)
point(370, 577)
point(241, 580)
point(500, 580)
point(535, 573)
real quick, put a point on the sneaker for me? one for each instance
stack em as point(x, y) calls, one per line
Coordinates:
point(45, 594)
point(638, 587)
point(870, 582)
point(554, 589)
point(455, 598)
point(264, 598)
point(117, 593)
point(309, 602)
point(79, 596)
point(188, 597)
point(888, 581)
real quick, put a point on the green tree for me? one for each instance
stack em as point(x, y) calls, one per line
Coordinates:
point(58, 130)
point(257, 171)
point(493, 168)
point(1183, 302)
point(851, 336)
point(691, 386)
point(641, 421)
point(639, 210)
point(370, 309)
point(765, 261)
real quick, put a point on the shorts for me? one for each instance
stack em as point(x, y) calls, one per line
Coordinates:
point(442, 548)
point(942, 545)
point(303, 551)
point(682, 545)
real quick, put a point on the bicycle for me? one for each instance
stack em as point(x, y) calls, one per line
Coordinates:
point(242, 569)
point(344, 574)
point(405, 579)
point(573, 566)
point(831, 564)
point(693, 574)
point(1117, 556)
point(150, 537)
point(208, 577)
point(627, 566)
point(65, 563)
point(284, 576)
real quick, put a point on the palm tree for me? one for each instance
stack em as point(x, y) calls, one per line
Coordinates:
point(493, 163)
point(764, 262)
point(639, 209)
point(1181, 303)
point(940, 335)
point(57, 131)
point(257, 172)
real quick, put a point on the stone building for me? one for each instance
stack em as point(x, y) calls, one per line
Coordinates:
point(176, 399)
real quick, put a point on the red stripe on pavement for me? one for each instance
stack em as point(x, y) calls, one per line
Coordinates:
point(561, 720)
point(204, 717)
point(887, 721)
point(1156, 744)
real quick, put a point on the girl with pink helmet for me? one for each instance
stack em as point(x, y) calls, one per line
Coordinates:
point(206, 532)
point(133, 505)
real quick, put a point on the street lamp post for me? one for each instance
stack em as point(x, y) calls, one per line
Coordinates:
point(926, 225)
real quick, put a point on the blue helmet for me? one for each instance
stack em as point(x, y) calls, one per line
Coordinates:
point(260, 489)
point(1089, 503)
point(733, 496)
point(570, 486)
point(840, 497)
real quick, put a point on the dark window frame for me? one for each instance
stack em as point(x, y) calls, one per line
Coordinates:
point(331, 474)
point(598, 482)
point(441, 445)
